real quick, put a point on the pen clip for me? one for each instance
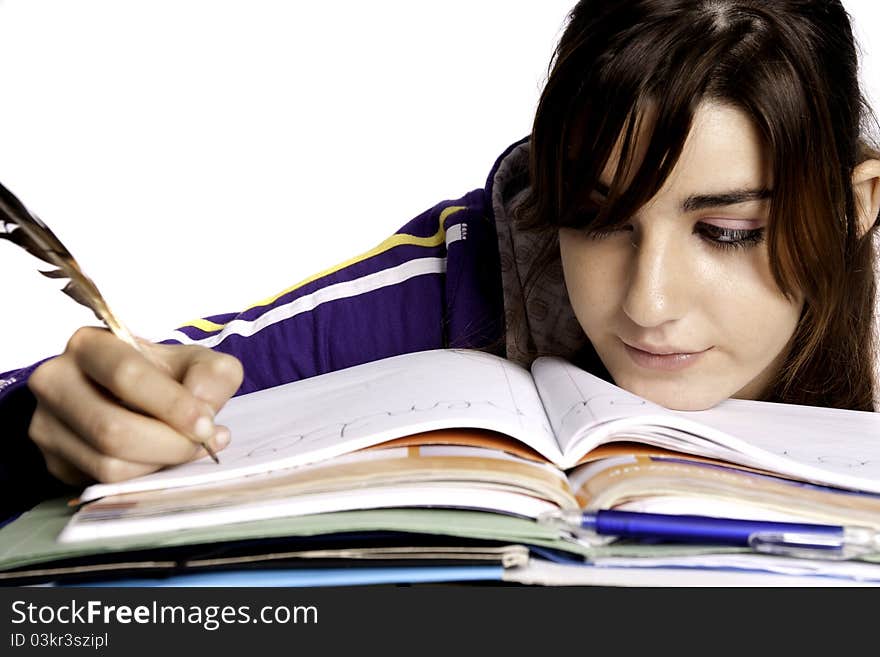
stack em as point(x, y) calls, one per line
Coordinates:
point(806, 545)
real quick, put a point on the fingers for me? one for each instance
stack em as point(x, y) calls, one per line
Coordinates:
point(61, 448)
point(64, 471)
point(107, 411)
point(140, 384)
point(209, 375)
point(100, 422)
point(72, 460)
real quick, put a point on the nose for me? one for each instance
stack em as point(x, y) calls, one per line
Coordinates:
point(658, 281)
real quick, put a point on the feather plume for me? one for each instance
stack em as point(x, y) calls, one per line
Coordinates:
point(20, 226)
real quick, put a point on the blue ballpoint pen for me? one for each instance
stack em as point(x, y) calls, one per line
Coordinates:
point(784, 538)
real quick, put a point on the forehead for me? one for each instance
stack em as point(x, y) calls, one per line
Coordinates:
point(723, 150)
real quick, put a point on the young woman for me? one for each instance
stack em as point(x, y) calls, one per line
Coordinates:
point(691, 217)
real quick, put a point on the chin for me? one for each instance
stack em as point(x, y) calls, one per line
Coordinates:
point(687, 404)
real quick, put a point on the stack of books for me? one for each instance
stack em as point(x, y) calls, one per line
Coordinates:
point(446, 465)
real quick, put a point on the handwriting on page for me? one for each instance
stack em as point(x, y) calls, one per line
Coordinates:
point(576, 400)
point(469, 388)
point(346, 410)
point(833, 446)
point(328, 415)
point(278, 445)
point(834, 440)
point(602, 407)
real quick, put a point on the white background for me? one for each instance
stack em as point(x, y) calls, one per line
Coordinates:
point(197, 156)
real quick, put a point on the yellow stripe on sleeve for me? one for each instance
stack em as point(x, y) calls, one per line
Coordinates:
point(398, 239)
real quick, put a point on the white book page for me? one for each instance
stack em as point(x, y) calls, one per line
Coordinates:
point(577, 402)
point(824, 445)
point(335, 413)
point(828, 444)
point(752, 570)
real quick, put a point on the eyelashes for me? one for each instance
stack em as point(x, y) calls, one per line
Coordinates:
point(731, 238)
point(715, 236)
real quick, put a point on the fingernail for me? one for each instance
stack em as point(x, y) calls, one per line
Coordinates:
point(222, 438)
point(204, 428)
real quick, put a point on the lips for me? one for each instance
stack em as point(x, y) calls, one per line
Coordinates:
point(665, 358)
point(662, 350)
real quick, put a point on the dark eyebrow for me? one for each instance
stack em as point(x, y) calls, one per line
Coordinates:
point(703, 201)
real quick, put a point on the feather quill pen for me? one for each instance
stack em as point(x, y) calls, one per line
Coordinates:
point(20, 226)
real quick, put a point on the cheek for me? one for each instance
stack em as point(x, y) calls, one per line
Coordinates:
point(594, 274)
point(731, 298)
point(748, 311)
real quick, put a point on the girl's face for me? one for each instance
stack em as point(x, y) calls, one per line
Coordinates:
point(680, 303)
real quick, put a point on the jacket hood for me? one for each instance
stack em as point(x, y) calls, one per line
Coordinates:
point(546, 324)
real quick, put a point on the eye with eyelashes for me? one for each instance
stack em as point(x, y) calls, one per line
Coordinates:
point(715, 236)
point(731, 238)
point(723, 237)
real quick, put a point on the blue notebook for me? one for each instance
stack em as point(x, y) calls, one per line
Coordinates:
point(315, 577)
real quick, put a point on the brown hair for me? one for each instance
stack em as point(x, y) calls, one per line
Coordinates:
point(791, 66)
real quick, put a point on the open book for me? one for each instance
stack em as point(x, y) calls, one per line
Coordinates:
point(464, 429)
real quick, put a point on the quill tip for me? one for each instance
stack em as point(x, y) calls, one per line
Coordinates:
point(211, 453)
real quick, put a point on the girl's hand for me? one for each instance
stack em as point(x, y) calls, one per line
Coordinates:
point(105, 412)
